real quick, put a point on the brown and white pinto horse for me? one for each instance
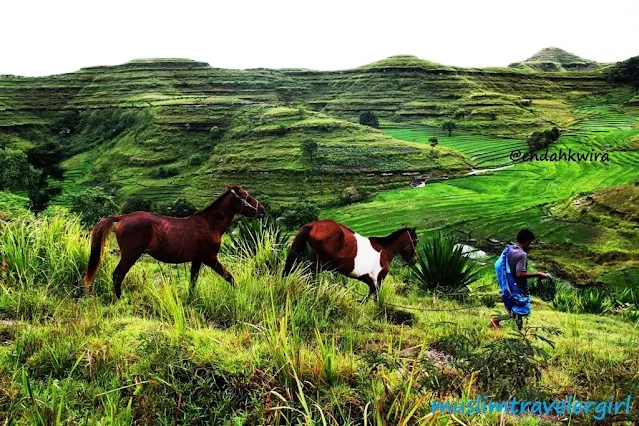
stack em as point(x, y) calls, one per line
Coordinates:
point(335, 247)
point(194, 239)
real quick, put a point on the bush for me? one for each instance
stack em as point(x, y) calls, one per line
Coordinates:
point(163, 172)
point(449, 126)
point(309, 149)
point(262, 240)
point(92, 205)
point(542, 140)
point(215, 133)
point(350, 195)
point(179, 208)
point(196, 160)
point(368, 118)
point(299, 214)
point(441, 266)
point(596, 301)
point(137, 204)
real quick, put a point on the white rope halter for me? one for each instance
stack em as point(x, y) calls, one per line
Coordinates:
point(244, 202)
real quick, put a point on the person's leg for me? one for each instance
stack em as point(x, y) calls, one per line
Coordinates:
point(494, 321)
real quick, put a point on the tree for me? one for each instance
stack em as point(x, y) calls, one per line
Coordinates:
point(433, 143)
point(137, 204)
point(300, 213)
point(16, 172)
point(368, 118)
point(449, 126)
point(309, 149)
point(626, 72)
point(180, 208)
point(350, 195)
point(92, 205)
point(47, 158)
point(541, 140)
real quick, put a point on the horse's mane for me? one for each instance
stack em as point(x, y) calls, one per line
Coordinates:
point(391, 237)
point(214, 205)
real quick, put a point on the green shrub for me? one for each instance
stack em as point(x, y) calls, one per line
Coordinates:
point(299, 214)
point(180, 208)
point(567, 299)
point(441, 266)
point(196, 160)
point(92, 205)
point(164, 172)
point(137, 204)
point(596, 301)
point(368, 118)
point(263, 239)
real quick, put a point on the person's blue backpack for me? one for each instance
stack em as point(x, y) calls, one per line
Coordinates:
point(511, 296)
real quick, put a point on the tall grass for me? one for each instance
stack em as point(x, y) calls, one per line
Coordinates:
point(294, 350)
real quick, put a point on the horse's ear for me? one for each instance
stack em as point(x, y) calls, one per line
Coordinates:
point(228, 187)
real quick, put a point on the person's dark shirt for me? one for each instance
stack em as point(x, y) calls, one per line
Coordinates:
point(518, 261)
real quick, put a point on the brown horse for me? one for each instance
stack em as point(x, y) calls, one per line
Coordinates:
point(194, 239)
point(335, 247)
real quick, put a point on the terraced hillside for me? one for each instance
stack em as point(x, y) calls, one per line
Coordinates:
point(206, 126)
point(497, 204)
point(555, 59)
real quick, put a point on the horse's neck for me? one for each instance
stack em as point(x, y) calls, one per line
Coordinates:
point(390, 245)
point(220, 214)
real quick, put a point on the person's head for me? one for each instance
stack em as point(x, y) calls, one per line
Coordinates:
point(525, 237)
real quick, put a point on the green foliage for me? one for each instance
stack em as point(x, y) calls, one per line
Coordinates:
point(542, 140)
point(179, 208)
point(596, 301)
point(300, 213)
point(216, 133)
point(92, 205)
point(136, 204)
point(350, 195)
point(16, 172)
point(196, 160)
point(309, 149)
point(368, 118)
point(164, 172)
point(568, 299)
point(510, 364)
point(433, 141)
point(625, 72)
point(449, 126)
point(250, 236)
point(441, 266)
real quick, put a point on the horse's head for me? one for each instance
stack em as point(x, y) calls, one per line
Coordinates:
point(408, 244)
point(246, 204)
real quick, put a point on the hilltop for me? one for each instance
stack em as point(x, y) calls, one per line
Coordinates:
point(208, 126)
point(555, 59)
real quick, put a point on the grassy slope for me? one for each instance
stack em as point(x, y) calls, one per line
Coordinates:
point(137, 116)
point(498, 204)
point(219, 357)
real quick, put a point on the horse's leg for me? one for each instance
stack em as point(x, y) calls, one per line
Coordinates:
point(195, 271)
point(125, 264)
point(372, 288)
point(220, 269)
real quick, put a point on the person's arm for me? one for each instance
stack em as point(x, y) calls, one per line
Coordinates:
point(523, 274)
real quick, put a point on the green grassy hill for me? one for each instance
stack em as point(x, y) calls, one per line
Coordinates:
point(124, 122)
point(555, 59)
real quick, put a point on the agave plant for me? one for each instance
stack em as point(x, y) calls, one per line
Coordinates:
point(250, 236)
point(442, 266)
point(596, 301)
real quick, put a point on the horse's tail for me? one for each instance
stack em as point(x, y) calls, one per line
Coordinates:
point(99, 236)
point(297, 249)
